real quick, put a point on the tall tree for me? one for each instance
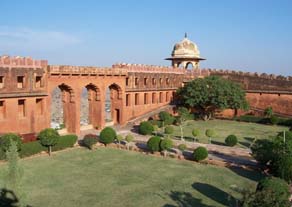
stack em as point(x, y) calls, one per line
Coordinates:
point(212, 93)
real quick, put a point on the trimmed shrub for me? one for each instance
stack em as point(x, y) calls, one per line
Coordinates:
point(146, 128)
point(31, 148)
point(153, 144)
point(6, 139)
point(166, 144)
point(168, 130)
point(210, 133)
point(196, 132)
point(66, 141)
point(231, 140)
point(48, 137)
point(182, 147)
point(200, 154)
point(107, 135)
point(166, 118)
point(129, 138)
point(119, 138)
point(262, 150)
point(274, 120)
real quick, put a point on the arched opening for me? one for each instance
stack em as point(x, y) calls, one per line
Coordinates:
point(113, 105)
point(90, 107)
point(62, 109)
point(189, 66)
point(179, 65)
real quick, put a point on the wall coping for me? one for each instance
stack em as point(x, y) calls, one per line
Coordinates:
point(21, 62)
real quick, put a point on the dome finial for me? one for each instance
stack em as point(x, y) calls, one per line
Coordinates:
point(186, 35)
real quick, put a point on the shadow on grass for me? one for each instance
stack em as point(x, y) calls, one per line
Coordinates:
point(233, 159)
point(215, 194)
point(9, 199)
point(249, 139)
point(218, 143)
point(249, 174)
point(245, 144)
point(184, 199)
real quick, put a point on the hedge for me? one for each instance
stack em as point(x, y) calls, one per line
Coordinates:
point(264, 120)
point(65, 141)
point(31, 148)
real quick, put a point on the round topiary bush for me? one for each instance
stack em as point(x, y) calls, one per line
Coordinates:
point(89, 141)
point(231, 140)
point(196, 132)
point(166, 144)
point(153, 144)
point(182, 147)
point(146, 128)
point(6, 139)
point(210, 133)
point(107, 135)
point(200, 154)
point(129, 138)
point(168, 130)
point(49, 137)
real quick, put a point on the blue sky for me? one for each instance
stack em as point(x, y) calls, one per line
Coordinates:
point(248, 35)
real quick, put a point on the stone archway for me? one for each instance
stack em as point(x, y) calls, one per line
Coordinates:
point(65, 106)
point(116, 103)
point(94, 105)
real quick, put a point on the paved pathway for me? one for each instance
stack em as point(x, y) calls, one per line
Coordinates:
point(233, 155)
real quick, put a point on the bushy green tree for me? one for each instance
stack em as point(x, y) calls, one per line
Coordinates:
point(153, 144)
point(212, 93)
point(231, 140)
point(166, 118)
point(146, 128)
point(270, 192)
point(165, 145)
point(48, 138)
point(200, 153)
point(195, 133)
point(6, 139)
point(107, 135)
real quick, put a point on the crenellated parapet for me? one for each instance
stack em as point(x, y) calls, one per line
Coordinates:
point(257, 75)
point(21, 62)
point(140, 68)
point(84, 70)
point(255, 82)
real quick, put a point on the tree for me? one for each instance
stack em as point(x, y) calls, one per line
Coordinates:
point(165, 145)
point(270, 192)
point(200, 153)
point(166, 118)
point(210, 133)
point(129, 139)
point(6, 139)
point(153, 144)
point(14, 175)
point(195, 133)
point(183, 115)
point(168, 130)
point(212, 93)
point(146, 128)
point(107, 135)
point(48, 137)
point(119, 138)
point(182, 148)
point(269, 112)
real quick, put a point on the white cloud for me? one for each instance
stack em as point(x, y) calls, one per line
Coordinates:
point(23, 38)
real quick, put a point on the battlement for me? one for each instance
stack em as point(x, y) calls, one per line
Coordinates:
point(250, 74)
point(140, 68)
point(83, 70)
point(21, 62)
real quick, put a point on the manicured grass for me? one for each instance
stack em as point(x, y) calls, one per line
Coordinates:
point(112, 177)
point(245, 132)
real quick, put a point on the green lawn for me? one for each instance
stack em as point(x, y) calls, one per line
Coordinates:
point(112, 177)
point(244, 131)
